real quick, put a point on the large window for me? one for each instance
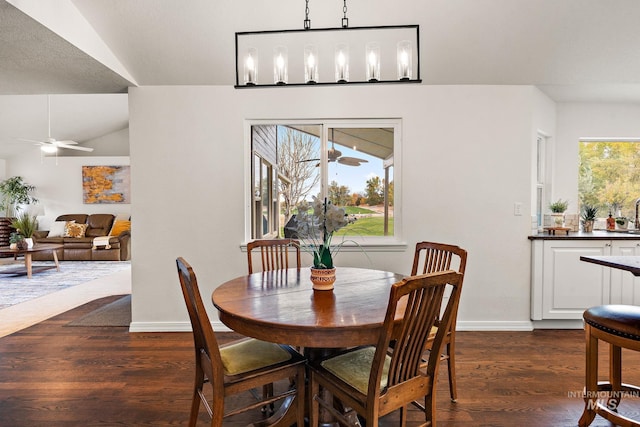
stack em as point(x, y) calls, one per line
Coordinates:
point(609, 176)
point(351, 163)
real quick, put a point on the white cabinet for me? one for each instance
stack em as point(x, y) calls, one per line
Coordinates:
point(625, 287)
point(563, 286)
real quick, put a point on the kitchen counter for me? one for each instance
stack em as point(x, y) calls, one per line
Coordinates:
point(595, 235)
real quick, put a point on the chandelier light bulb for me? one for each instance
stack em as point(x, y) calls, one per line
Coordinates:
point(404, 60)
point(251, 67)
point(342, 63)
point(372, 62)
point(280, 74)
point(310, 64)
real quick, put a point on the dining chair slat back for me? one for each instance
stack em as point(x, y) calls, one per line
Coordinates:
point(375, 381)
point(275, 254)
point(234, 368)
point(432, 257)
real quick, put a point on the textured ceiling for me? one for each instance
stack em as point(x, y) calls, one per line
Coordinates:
point(34, 60)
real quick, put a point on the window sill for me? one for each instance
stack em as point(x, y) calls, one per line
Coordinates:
point(377, 245)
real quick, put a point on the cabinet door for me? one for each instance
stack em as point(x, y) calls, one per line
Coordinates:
point(569, 285)
point(625, 287)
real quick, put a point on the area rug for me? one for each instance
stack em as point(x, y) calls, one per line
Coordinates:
point(116, 313)
point(18, 289)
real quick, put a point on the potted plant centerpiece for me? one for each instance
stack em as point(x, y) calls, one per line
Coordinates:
point(589, 215)
point(315, 231)
point(26, 225)
point(557, 209)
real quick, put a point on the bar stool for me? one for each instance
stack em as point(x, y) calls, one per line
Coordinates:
point(618, 325)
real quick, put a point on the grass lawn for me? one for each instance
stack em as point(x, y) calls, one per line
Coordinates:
point(356, 210)
point(373, 226)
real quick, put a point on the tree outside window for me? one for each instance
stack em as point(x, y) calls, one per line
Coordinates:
point(609, 176)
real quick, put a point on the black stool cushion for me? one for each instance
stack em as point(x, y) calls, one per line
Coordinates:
point(620, 320)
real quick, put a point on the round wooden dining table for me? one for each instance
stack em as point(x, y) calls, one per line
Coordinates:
point(282, 307)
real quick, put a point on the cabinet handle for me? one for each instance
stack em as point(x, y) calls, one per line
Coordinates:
point(608, 245)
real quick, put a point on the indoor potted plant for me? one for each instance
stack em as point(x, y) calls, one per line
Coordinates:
point(16, 241)
point(589, 214)
point(557, 209)
point(15, 192)
point(26, 225)
point(315, 231)
point(622, 222)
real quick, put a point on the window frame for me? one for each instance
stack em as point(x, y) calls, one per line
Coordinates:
point(371, 243)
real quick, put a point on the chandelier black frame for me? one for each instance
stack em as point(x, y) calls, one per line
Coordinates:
point(303, 75)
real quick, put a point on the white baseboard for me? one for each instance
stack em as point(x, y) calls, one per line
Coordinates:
point(494, 326)
point(172, 327)
point(160, 327)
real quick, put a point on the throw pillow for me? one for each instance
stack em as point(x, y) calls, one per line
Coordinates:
point(119, 226)
point(75, 230)
point(58, 229)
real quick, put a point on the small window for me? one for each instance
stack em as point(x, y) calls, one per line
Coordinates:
point(353, 164)
point(609, 176)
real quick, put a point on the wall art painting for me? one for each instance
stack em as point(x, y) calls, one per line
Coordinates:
point(106, 184)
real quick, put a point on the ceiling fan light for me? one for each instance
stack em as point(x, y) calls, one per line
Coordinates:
point(49, 149)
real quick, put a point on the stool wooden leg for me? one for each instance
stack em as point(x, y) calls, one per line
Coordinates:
point(591, 379)
point(615, 375)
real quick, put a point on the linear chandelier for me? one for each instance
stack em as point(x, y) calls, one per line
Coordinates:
point(328, 56)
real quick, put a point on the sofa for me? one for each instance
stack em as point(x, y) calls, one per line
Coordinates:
point(84, 238)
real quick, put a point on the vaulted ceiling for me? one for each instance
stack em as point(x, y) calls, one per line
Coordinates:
point(573, 50)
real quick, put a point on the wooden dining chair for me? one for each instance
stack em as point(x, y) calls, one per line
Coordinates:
point(239, 367)
point(431, 257)
point(377, 380)
point(275, 254)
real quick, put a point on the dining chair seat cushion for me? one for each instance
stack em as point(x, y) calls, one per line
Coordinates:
point(251, 354)
point(354, 368)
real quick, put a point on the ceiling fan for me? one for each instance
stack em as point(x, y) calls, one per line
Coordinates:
point(336, 155)
point(51, 145)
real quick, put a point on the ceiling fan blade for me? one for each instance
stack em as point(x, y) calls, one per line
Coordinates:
point(73, 147)
point(67, 142)
point(351, 161)
point(31, 140)
point(307, 160)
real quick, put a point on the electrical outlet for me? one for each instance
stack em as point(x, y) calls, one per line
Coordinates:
point(517, 208)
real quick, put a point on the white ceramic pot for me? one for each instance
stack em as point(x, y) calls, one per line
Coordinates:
point(29, 241)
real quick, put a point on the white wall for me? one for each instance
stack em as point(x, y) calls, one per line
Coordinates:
point(111, 144)
point(466, 153)
point(577, 121)
point(59, 186)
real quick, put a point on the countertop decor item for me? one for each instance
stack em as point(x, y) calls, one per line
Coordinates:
point(589, 215)
point(557, 211)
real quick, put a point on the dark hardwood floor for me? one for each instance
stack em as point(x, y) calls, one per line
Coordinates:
point(57, 375)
